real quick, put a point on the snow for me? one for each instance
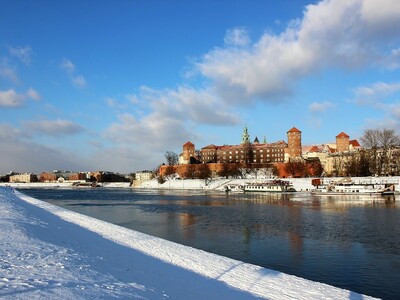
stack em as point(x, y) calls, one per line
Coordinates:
point(300, 184)
point(48, 252)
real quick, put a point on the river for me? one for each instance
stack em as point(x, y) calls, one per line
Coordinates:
point(349, 241)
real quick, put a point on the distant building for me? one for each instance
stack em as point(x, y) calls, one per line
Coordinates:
point(62, 176)
point(47, 177)
point(23, 178)
point(336, 162)
point(144, 175)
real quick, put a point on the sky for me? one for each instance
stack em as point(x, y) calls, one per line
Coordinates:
point(113, 85)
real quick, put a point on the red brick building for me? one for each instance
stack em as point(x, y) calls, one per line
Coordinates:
point(342, 142)
point(246, 152)
point(293, 149)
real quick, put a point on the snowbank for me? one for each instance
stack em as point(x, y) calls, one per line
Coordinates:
point(300, 184)
point(49, 252)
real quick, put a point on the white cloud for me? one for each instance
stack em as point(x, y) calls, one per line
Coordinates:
point(335, 33)
point(188, 104)
point(111, 102)
point(16, 149)
point(10, 98)
point(33, 94)
point(392, 61)
point(172, 119)
point(151, 131)
point(383, 97)
point(54, 128)
point(77, 80)
point(8, 72)
point(132, 98)
point(24, 54)
point(67, 66)
point(375, 93)
point(317, 107)
point(237, 37)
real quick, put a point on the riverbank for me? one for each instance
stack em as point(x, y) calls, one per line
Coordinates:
point(52, 253)
point(215, 184)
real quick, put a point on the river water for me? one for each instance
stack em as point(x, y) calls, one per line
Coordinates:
point(349, 242)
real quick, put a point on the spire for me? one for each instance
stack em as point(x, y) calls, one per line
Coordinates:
point(245, 136)
point(265, 140)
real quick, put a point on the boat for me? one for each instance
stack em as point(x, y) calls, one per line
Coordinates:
point(233, 188)
point(347, 186)
point(271, 186)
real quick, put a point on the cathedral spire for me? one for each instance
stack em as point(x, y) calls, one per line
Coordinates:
point(245, 136)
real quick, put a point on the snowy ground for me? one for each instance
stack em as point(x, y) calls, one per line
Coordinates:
point(300, 184)
point(47, 252)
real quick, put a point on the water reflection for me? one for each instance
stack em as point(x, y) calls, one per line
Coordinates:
point(350, 241)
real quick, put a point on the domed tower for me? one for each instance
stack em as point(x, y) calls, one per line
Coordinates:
point(245, 136)
point(293, 149)
point(342, 142)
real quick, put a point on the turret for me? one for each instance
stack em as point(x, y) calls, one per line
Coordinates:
point(294, 144)
point(342, 142)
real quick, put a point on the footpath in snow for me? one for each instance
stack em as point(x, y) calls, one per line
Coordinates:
point(47, 252)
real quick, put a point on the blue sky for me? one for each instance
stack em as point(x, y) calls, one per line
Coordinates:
point(113, 85)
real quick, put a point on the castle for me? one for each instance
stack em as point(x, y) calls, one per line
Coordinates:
point(246, 152)
point(276, 153)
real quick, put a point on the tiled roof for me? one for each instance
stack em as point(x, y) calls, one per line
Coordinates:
point(210, 147)
point(331, 150)
point(314, 149)
point(294, 129)
point(354, 143)
point(188, 144)
point(342, 135)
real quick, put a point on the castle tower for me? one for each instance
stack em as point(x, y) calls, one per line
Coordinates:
point(245, 136)
point(294, 144)
point(188, 151)
point(342, 142)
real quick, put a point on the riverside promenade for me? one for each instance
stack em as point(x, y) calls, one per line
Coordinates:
point(48, 252)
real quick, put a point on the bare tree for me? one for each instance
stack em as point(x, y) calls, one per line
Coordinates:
point(387, 139)
point(370, 140)
point(379, 144)
point(172, 158)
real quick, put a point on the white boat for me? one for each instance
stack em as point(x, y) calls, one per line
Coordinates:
point(233, 188)
point(347, 186)
point(271, 186)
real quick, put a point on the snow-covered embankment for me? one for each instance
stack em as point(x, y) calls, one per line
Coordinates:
point(48, 252)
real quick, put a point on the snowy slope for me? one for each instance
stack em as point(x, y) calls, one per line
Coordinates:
point(48, 252)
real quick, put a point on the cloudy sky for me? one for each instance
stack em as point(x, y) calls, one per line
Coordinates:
point(113, 85)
